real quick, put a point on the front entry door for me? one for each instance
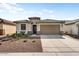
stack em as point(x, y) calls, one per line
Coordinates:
point(34, 29)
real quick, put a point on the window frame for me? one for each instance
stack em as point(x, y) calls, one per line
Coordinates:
point(22, 25)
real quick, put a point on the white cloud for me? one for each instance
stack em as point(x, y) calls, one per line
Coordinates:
point(20, 9)
point(48, 11)
point(16, 12)
point(71, 18)
point(40, 13)
point(12, 8)
point(1, 10)
point(51, 16)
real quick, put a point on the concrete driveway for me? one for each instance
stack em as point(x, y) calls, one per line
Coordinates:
point(52, 37)
point(65, 45)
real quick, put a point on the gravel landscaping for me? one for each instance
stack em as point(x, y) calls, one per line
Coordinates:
point(21, 45)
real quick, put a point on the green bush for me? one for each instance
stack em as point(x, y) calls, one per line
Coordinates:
point(19, 35)
point(7, 35)
point(13, 35)
point(33, 41)
point(23, 33)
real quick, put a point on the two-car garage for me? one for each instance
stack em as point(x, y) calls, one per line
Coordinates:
point(49, 29)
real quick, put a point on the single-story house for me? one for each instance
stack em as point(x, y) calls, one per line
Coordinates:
point(34, 25)
point(7, 27)
point(71, 27)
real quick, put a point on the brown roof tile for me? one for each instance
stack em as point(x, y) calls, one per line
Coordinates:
point(6, 22)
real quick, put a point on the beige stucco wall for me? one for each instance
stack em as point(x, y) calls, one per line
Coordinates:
point(71, 29)
point(38, 27)
point(61, 27)
point(18, 27)
point(49, 23)
point(1, 26)
point(67, 28)
point(9, 29)
point(29, 26)
point(76, 28)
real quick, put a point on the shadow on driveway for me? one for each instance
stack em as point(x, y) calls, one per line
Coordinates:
point(52, 37)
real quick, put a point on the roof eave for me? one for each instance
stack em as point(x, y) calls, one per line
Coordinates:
point(50, 22)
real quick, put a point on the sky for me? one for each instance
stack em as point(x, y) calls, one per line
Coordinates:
point(21, 11)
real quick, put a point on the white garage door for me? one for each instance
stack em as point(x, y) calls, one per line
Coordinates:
point(49, 29)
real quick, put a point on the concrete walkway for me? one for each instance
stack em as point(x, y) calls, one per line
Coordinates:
point(65, 45)
point(39, 54)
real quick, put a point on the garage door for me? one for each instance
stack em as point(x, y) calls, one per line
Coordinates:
point(49, 29)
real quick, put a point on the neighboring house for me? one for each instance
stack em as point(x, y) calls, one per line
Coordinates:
point(71, 27)
point(7, 27)
point(37, 26)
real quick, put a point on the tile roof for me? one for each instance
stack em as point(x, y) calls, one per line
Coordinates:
point(34, 18)
point(40, 21)
point(50, 20)
point(21, 21)
point(71, 22)
point(6, 22)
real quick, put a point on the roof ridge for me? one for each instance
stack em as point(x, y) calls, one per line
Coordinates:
point(6, 21)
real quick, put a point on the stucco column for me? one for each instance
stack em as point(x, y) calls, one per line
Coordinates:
point(38, 28)
point(29, 28)
point(61, 29)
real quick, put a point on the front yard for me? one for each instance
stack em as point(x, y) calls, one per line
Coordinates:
point(23, 45)
point(20, 45)
point(46, 44)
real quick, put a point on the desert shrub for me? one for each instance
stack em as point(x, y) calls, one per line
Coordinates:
point(22, 33)
point(29, 33)
point(25, 41)
point(19, 35)
point(74, 36)
point(7, 35)
point(13, 35)
point(33, 41)
point(26, 35)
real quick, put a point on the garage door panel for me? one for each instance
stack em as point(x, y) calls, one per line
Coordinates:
point(49, 29)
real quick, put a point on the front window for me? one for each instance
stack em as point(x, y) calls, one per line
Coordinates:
point(23, 26)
